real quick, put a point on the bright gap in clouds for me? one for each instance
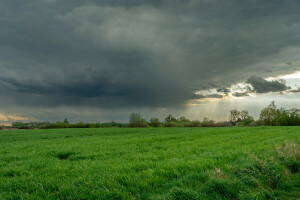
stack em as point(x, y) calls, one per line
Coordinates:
point(244, 89)
point(218, 108)
point(292, 80)
point(291, 76)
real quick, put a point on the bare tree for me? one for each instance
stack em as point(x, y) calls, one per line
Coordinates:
point(235, 116)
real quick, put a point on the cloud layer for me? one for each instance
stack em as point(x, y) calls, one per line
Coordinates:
point(261, 85)
point(111, 54)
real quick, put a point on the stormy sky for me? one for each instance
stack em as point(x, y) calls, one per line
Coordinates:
point(101, 60)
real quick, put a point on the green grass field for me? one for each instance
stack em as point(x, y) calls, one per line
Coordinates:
point(149, 163)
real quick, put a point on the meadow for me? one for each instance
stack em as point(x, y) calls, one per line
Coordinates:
point(151, 163)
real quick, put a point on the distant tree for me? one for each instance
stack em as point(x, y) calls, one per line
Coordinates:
point(294, 117)
point(136, 120)
point(66, 121)
point(249, 120)
point(244, 114)
point(183, 119)
point(246, 119)
point(97, 125)
point(205, 120)
point(283, 117)
point(240, 118)
point(194, 123)
point(235, 117)
point(170, 118)
point(269, 115)
point(288, 117)
point(154, 122)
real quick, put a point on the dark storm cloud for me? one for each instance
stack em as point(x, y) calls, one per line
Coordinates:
point(240, 94)
point(224, 90)
point(115, 53)
point(261, 85)
point(217, 96)
point(214, 96)
point(295, 90)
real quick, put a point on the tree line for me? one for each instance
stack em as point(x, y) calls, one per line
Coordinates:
point(136, 120)
point(269, 116)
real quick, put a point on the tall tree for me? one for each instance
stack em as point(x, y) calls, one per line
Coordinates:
point(269, 114)
point(135, 118)
point(170, 118)
point(66, 121)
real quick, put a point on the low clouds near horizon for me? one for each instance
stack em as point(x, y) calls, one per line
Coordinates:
point(112, 54)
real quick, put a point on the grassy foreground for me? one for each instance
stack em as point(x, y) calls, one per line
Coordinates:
point(149, 163)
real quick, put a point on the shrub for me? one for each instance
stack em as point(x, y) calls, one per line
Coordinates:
point(55, 125)
point(154, 122)
point(254, 123)
point(170, 124)
point(120, 125)
point(194, 123)
point(210, 123)
point(223, 124)
point(25, 127)
point(141, 124)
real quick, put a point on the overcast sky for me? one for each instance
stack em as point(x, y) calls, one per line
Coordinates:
point(101, 60)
